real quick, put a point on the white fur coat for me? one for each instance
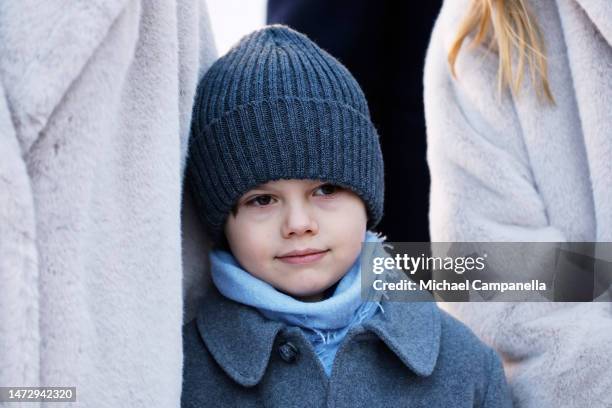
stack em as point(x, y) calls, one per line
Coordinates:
point(95, 105)
point(518, 170)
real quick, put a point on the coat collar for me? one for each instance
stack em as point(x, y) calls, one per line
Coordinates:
point(240, 339)
point(599, 12)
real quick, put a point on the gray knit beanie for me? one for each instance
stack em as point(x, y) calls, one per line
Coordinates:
point(276, 106)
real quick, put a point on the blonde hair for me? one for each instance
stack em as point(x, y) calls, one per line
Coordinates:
point(511, 29)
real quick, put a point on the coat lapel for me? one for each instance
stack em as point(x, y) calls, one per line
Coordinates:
point(600, 14)
point(412, 331)
point(238, 337)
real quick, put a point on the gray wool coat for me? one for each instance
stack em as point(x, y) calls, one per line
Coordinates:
point(413, 355)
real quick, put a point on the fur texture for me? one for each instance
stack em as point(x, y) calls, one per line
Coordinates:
point(95, 110)
point(516, 169)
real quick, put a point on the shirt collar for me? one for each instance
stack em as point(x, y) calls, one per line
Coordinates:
point(240, 339)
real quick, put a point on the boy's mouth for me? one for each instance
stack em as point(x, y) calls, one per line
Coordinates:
point(303, 256)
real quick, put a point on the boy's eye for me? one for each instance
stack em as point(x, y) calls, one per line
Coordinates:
point(327, 189)
point(260, 201)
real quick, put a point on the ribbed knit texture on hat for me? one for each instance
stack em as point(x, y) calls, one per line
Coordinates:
point(276, 106)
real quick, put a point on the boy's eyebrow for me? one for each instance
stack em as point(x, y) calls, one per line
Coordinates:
point(268, 189)
point(259, 189)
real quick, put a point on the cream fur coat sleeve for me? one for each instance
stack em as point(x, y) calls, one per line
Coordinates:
point(95, 105)
point(514, 169)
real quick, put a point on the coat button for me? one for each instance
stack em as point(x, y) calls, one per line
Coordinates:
point(288, 352)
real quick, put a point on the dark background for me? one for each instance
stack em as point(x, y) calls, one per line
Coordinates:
point(383, 44)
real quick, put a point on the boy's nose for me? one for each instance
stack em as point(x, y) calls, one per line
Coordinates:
point(298, 221)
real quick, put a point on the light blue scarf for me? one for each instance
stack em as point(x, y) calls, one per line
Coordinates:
point(324, 323)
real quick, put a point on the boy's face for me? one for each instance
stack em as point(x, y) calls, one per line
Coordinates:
point(300, 236)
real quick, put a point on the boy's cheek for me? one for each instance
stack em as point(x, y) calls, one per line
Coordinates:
point(255, 245)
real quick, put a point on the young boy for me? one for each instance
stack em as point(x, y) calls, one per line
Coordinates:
point(286, 168)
